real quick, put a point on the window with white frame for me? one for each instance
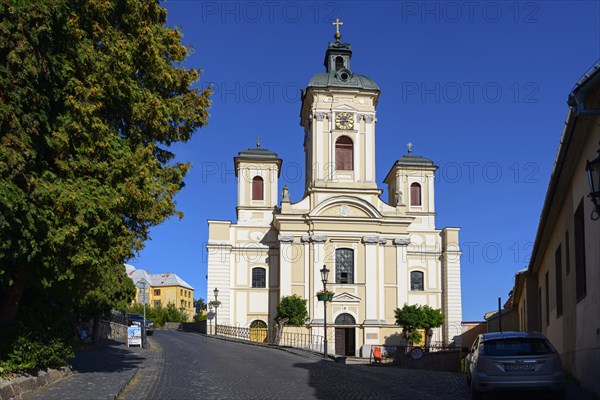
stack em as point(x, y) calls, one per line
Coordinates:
point(259, 277)
point(416, 280)
point(344, 266)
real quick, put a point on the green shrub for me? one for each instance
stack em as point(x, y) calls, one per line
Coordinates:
point(29, 354)
point(159, 314)
point(292, 308)
point(40, 339)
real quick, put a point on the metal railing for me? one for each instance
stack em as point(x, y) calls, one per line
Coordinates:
point(292, 339)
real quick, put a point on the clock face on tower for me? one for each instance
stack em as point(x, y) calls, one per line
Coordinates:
point(344, 120)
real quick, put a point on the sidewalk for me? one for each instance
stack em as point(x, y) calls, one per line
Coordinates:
point(101, 372)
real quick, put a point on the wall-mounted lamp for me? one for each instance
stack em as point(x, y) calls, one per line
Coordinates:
point(593, 170)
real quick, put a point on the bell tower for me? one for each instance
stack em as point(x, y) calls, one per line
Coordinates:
point(338, 116)
point(257, 171)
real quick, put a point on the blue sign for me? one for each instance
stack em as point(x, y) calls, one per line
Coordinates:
point(134, 335)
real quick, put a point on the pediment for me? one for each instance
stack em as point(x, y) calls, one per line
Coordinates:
point(343, 210)
point(345, 107)
point(345, 207)
point(346, 297)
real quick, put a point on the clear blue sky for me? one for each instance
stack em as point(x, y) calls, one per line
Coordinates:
point(479, 87)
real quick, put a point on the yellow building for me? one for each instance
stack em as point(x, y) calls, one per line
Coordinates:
point(167, 288)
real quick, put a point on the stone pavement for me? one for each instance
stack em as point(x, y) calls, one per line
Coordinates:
point(101, 372)
point(111, 371)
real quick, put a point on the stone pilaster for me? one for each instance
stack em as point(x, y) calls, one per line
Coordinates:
point(285, 264)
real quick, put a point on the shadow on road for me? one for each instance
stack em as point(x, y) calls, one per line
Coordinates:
point(107, 356)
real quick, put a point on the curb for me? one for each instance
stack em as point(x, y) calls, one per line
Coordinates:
point(153, 347)
point(16, 388)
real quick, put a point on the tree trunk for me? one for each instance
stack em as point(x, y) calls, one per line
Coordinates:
point(95, 326)
point(12, 297)
point(280, 324)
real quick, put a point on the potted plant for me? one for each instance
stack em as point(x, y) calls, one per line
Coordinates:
point(325, 295)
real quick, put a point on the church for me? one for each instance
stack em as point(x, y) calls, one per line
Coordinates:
point(382, 254)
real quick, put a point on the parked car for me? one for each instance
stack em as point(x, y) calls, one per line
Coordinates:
point(514, 361)
point(137, 319)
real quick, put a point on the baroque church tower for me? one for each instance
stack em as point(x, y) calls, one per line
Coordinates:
point(381, 254)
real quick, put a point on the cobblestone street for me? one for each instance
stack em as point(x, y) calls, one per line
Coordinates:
point(187, 365)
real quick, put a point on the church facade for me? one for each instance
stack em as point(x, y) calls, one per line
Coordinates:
point(381, 254)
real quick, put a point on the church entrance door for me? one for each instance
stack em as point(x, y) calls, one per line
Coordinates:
point(345, 341)
point(345, 337)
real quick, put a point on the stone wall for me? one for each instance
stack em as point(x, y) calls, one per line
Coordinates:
point(187, 326)
point(112, 330)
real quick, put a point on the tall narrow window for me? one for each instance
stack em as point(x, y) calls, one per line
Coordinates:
point(257, 188)
point(339, 63)
point(547, 290)
point(579, 238)
point(259, 277)
point(558, 271)
point(415, 194)
point(567, 253)
point(343, 154)
point(344, 266)
point(416, 280)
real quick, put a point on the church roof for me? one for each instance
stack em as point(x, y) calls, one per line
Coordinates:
point(257, 153)
point(332, 79)
point(409, 159)
point(340, 75)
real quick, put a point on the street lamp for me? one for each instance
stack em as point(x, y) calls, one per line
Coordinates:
point(210, 315)
point(216, 304)
point(324, 276)
point(593, 170)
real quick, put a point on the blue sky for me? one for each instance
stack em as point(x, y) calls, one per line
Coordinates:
point(479, 87)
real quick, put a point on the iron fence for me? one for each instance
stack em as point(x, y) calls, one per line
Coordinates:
point(305, 341)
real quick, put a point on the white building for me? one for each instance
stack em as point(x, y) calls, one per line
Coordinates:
point(381, 254)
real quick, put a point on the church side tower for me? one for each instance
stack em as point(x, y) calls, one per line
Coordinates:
point(338, 116)
point(411, 184)
point(257, 171)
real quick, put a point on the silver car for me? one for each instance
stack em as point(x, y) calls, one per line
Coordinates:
point(516, 361)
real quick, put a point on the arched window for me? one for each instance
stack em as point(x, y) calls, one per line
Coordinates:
point(259, 277)
point(415, 194)
point(344, 266)
point(257, 188)
point(416, 280)
point(257, 323)
point(343, 154)
point(345, 319)
point(339, 63)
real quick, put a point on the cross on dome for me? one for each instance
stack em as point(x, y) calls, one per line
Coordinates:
point(337, 24)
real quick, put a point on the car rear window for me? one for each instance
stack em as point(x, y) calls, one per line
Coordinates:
point(517, 347)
